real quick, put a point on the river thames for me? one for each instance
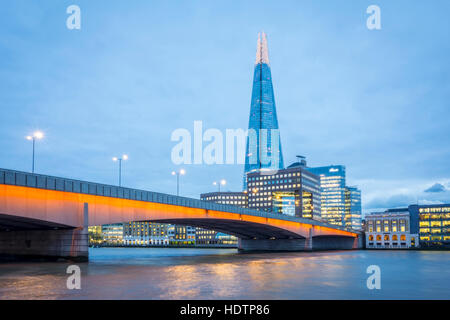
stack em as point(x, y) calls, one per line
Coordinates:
point(165, 273)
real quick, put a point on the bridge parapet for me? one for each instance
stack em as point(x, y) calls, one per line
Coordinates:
point(39, 181)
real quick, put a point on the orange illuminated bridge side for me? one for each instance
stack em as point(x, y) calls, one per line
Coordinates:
point(31, 203)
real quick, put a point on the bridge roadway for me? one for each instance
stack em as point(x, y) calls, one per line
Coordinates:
point(45, 216)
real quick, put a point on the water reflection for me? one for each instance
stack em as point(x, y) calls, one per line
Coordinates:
point(138, 273)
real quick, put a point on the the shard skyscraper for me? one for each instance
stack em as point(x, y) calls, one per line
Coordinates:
point(263, 151)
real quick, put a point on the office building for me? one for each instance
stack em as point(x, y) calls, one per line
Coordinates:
point(239, 199)
point(353, 208)
point(294, 191)
point(390, 230)
point(112, 234)
point(205, 237)
point(332, 191)
point(432, 223)
point(181, 235)
point(263, 150)
point(95, 235)
point(210, 237)
point(145, 233)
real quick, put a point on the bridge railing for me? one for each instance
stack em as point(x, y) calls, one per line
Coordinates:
point(33, 180)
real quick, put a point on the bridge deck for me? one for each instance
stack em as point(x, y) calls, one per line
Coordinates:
point(24, 179)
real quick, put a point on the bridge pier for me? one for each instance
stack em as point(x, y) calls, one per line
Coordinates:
point(273, 245)
point(68, 244)
point(47, 244)
point(308, 244)
point(334, 243)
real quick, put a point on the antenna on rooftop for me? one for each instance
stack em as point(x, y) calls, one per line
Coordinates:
point(301, 160)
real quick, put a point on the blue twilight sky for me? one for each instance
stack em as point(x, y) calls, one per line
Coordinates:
point(374, 101)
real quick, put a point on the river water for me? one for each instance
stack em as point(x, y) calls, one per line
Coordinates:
point(165, 273)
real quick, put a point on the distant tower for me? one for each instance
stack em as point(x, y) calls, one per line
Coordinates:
point(263, 118)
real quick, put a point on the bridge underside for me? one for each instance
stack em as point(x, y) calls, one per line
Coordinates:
point(15, 223)
point(240, 229)
point(24, 238)
point(30, 238)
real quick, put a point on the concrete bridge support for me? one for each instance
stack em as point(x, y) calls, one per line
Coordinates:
point(333, 243)
point(250, 245)
point(307, 244)
point(47, 244)
point(69, 244)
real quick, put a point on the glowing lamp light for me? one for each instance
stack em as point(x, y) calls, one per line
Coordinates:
point(38, 135)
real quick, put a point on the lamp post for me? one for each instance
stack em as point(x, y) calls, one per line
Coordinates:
point(221, 182)
point(36, 136)
point(179, 173)
point(115, 159)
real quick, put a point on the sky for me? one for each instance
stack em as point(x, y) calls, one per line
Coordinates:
point(376, 101)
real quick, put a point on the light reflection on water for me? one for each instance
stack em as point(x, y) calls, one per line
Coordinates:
point(160, 273)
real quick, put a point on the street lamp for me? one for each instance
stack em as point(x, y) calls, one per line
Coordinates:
point(179, 173)
point(221, 182)
point(115, 159)
point(36, 136)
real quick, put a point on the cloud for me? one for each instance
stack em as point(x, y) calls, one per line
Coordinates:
point(429, 202)
point(437, 187)
point(395, 201)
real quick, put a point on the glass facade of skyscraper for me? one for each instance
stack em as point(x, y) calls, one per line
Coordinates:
point(353, 208)
point(263, 149)
point(332, 189)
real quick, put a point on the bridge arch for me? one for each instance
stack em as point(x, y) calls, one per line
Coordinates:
point(60, 204)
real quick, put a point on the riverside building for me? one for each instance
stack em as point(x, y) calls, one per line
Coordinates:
point(390, 230)
point(181, 235)
point(332, 193)
point(294, 191)
point(429, 225)
point(340, 205)
point(353, 217)
point(208, 237)
point(433, 224)
point(239, 199)
point(112, 234)
point(145, 233)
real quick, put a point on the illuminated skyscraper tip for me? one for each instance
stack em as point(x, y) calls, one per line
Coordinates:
point(263, 144)
point(262, 51)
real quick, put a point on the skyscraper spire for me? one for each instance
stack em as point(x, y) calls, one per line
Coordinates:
point(262, 51)
point(263, 151)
